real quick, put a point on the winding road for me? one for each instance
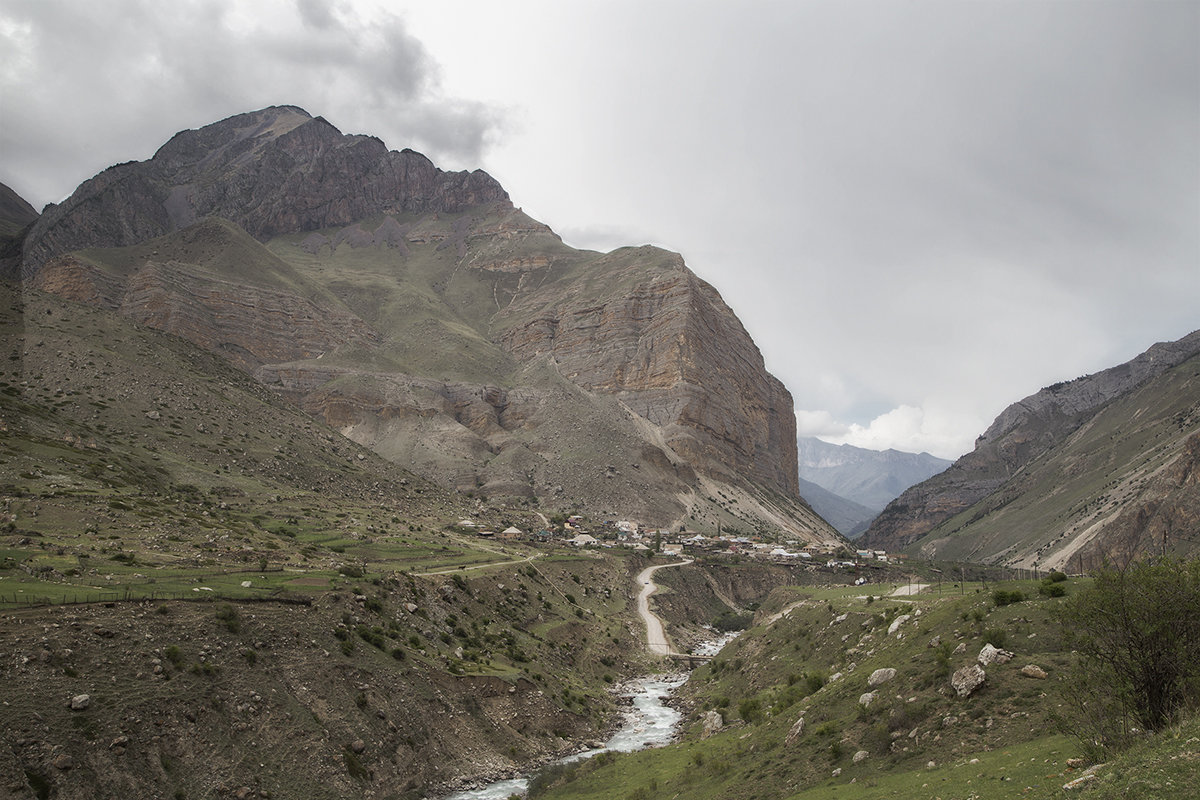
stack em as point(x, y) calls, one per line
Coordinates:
point(656, 636)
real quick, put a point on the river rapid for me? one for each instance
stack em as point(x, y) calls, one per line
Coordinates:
point(649, 722)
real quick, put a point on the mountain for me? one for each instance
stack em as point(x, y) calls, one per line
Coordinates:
point(422, 315)
point(16, 218)
point(868, 478)
point(848, 517)
point(1101, 466)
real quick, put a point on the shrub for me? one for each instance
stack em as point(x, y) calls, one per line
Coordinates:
point(731, 621)
point(996, 637)
point(1002, 597)
point(227, 615)
point(1052, 589)
point(1137, 631)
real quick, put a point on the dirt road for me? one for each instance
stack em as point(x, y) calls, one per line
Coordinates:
point(656, 636)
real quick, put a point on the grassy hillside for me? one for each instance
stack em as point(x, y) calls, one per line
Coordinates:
point(1059, 506)
point(810, 656)
point(210, 564)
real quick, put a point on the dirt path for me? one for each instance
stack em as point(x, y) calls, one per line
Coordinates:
point(656, 635)
point(477, 566)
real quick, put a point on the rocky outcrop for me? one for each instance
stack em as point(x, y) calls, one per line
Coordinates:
point(1022, 432)
point(966, 680)
point(16, 218)
point(667, 345)
point(274, 171)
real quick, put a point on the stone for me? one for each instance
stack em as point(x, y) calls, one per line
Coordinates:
point(935, 641)
point(962, 648)
point(358, 745)
point(897, 622)
point(712, 723)
point(63, 761)
point(866, 699)
point(966, 680)
point(1033, 671)
point(80, 702)
point(881, 676)
point(993, 655)
point(795, 732)
point(120, 741)
point(861, 755)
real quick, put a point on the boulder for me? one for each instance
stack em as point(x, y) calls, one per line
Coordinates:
point(861, 755)
point(712, 723)
point(897, 622)
point(880, 676)
point(1033, 671)
point(865, 699)
point(993, 655)
point(968, 679)
point(80, 702)
point(795, 732)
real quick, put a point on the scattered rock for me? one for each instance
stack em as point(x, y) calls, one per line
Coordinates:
point(962, 648)
point(993, 655)
point(880, 676)
point(120, 741)
point(935, 641)
point(63, 761)
point(358, 745)
point(1075, 763)
point(712, 723)
point(865, 699)
point(795, 732)
point(837, 772)
point(1033, 671)
point(897, 622)
point(968, 679)
point(80, 702)
point(861, 755)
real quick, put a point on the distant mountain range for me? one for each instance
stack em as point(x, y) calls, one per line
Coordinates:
point(854, 484)
point(1106, 466)
point(421, 314)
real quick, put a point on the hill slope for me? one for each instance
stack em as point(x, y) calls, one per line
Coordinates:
point(1048, 478)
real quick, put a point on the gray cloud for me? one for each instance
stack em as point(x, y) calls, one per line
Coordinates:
point(106, 82)
point(922, 210)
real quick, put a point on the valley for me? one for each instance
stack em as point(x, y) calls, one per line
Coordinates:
point(327, 473)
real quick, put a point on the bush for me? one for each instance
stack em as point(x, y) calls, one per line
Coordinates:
point(1002, 597)
point(1052, 589)
point(227, 615)
point(731, 621)
point(1137, 631)
point(996, 637)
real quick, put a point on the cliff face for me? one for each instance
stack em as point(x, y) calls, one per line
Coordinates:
point(1042, 445)
point(272, 171)
point(425, 317)
point(675, 355)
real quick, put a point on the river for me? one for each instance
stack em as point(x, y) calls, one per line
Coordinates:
point(648, 723)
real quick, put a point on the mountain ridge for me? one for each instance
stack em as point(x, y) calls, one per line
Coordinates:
point(1035, 430)
point(406, 306)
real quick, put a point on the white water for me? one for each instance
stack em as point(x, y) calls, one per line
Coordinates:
point(649, 723)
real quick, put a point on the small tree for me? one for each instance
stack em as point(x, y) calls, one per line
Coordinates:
point(1137, 632)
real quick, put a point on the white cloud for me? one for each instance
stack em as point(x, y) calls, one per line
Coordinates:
point(906, 428)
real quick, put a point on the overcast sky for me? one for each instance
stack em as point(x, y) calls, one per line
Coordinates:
point(922, 211)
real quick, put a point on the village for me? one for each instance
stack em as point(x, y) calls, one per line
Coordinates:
point(572, 531)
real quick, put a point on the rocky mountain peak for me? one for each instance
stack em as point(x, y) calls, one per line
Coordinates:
point(274, 171)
